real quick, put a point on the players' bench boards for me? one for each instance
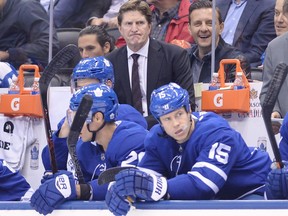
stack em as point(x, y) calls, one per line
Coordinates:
point(167, 208)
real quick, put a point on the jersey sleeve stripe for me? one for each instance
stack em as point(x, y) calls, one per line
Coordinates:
point(206, 181)
point(212, 167)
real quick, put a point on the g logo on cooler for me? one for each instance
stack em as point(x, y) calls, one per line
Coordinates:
point(15, 104)
point(218, 100)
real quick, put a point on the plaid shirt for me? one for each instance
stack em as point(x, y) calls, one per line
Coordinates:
point(160, 25)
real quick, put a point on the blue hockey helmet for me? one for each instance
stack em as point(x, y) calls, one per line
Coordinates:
point(7, 73)
point(94, 68)
point(168, 98)
point(104, 100)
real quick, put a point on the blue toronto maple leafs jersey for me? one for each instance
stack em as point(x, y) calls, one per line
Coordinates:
point(214, 163)
point(125, 112)
point(13, 185)
point(283, 145)
point(125, 148)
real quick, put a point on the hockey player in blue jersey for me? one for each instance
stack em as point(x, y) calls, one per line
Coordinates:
point(198, 156)
point(87, 71)
point(7, 72)
point(277, 181)
point(13, 186)
point(114, 143)
point(283, 145)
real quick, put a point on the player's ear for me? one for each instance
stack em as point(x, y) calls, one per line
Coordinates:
point(98, 116)
point(106, 47)
point(109, 83)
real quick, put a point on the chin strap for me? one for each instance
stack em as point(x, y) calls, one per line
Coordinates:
point(94, 132)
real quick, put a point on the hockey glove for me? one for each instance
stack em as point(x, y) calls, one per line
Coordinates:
point(277, 184)
point(49, 175)
point(136, 183)
point(117, 204)
point(53, 192)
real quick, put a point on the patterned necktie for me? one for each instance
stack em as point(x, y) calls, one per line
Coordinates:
point(136, 91)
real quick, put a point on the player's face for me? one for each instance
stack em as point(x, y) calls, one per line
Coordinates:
point(89, 46)
point(177, 124)
point(81, 83)
point(85, 134)
point(280, 18)
point(200, 28)
point(135, 30)
point(84, 82)
point(95, 122)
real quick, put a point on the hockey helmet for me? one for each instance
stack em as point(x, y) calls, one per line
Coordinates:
point(104, 100)
point(94, 68)
point(7, 72)
point(168, 98)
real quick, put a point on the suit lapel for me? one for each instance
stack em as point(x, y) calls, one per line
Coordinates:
point(247, 12)
point(155, 61)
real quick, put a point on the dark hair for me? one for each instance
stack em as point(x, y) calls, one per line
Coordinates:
point(203, 4)
point(285, 6)
point(135, 5)
point(101, 33)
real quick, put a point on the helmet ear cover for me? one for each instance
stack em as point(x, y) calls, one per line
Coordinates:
point(168, 98)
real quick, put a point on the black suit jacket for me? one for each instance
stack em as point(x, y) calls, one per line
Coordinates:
point(166, 63)
point(255, 28)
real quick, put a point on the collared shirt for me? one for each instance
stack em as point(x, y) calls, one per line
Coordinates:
point(142, 61)
point(160, 25)
point(232, 19)
point(198, 64)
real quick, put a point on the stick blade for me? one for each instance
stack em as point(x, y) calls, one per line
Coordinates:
point(75, 130)
point(65, 55)
point(58, 61)
point(108, 175)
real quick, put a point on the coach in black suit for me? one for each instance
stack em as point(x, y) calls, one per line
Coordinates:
point(159, 62)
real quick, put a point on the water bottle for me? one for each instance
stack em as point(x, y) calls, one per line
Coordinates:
point(35, 86)
point(34, 155)
point(215, 83)
point(238, 82)
point(262, 143)
point(14, 86)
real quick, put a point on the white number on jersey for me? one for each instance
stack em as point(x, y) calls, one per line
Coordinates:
point(220, 152)
point(133, 156)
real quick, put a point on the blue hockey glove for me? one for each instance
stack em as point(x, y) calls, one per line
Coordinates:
point(117, 204)
point(136, 183)
point(53, 192)
point(49, 175)
point(277, 184)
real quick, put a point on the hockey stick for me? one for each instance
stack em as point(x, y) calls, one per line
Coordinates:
point(108, 175)
point(59, 60)
point(75, 130)
point(276, 82)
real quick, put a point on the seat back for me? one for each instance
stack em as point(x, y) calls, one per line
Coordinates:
point(257, 74)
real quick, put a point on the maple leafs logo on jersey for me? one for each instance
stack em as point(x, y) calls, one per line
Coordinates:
point(98, 92)
point(175, 163)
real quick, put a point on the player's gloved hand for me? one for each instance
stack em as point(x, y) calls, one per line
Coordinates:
point(117, 204)
point(53, 192)
point(136, 183)
point(49, 175)
point(277, 183)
